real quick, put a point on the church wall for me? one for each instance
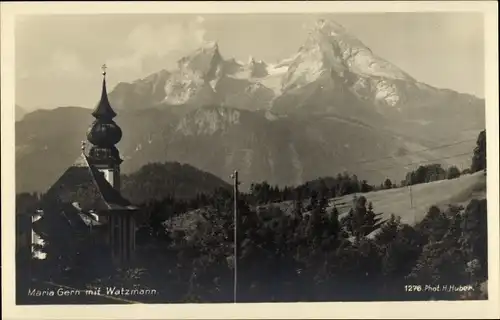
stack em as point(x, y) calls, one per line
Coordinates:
point(112, 175)
point(36, 239)
point(122, 237)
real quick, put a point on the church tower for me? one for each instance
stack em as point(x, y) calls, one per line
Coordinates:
point(103, 155)
point(104, 134)
point(85, 206)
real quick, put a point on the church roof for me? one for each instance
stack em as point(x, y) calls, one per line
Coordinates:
point(103, 109)
point(85, 185)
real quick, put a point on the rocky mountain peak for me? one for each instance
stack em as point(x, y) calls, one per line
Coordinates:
point(329, 105)
point(332, 70)
point(329, 35)
point(204, 60)
point(329, 27)
point(208, 121)
point(331, 55)
point(257, 68)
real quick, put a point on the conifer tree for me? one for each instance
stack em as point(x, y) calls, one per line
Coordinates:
point(387, 183)
point(479, 158)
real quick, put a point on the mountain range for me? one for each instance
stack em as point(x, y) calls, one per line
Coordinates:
point(333, 106)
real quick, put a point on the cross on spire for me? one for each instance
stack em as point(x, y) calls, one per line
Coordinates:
point(103, 109)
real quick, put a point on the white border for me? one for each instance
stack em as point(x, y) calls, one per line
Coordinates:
point(459, 309)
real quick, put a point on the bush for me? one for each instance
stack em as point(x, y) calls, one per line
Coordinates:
point(425, 174)
point(387, 184)
point(479, 158)
point(452, 173)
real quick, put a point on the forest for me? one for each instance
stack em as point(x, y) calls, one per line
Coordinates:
point(312, 254)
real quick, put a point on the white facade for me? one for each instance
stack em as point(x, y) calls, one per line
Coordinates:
point(36, 240)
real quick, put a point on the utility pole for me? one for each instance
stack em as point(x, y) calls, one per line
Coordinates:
point(411, 204)
point(236, 182)
point(411, 198)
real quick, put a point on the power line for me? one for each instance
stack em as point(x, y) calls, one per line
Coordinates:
point(421, 162)
point(410, 185)
point(414, 163)
point(234, 176)
point(413, 152)
point(418, 163)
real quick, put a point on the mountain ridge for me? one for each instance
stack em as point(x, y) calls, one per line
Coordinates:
point(328, 50)
point(283, 150)
point(317, 113)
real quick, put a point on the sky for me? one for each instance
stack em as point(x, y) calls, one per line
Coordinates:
point(58, 57)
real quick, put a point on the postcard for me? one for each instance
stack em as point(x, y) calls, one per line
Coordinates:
point(250, 160)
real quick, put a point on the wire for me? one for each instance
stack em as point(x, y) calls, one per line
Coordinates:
point(414, 152)
point(420, 162)
point(414, 163)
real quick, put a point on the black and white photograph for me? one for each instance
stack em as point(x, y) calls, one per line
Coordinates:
point(266, 157)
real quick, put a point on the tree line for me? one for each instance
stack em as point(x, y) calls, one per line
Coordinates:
point(315, 255)
point(311, 253)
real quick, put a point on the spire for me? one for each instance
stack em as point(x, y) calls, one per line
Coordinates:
point(104, 133)
point(103, 109)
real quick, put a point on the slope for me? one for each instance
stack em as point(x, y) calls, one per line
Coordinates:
point(396, 201)
point(159, 180)
point(283, 150)
point(412, 204)
point(330, 107)
point(48, 141)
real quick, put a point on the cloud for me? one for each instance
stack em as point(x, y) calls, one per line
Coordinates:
point(156, 47)
point(65, 63)
point(62, 63)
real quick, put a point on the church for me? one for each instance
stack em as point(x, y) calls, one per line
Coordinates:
point(84, 209)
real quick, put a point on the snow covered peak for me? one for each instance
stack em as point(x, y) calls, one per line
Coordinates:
point(338, 49)
point(331, 61)
point(258, 69)
point(329, 27)
point(204, 60)
point(210, 45)
point(336, 61)
point(209, 48)
point(332, 55)
point(326, 32)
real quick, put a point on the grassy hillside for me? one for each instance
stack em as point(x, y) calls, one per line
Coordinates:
point(393, 201)
point(397, 201)
point(427, 245)
point(440, 193)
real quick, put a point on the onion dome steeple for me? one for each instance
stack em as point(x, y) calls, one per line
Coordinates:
point(103, 109)
point(104, 133)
